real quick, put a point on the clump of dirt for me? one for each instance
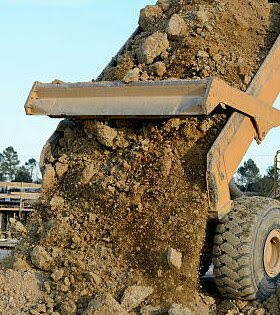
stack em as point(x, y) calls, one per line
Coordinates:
point(121, 221)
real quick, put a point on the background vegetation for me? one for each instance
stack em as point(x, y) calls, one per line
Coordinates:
point(12, 170)
point(250, 181)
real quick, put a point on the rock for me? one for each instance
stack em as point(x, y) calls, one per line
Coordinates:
point(17, 227)
point(201, 16)
point(174, 258)
point(68, 136)
point(40, 258)
point(149, 16)
point(89, 171)
point(93, 277)
point(179, 309)
point(151, 310)
point(63, 159)
point(21, 264)
point(144, 76)
point(42, 308)
point(166, 162)
point(56, 202)
point(164, 4)
point(132, 75)
point(247, 79)
point(57, 81)
point(202, 54)
point(200, 305)
point(133, 296)
point(49, 177)
point(60, 169)
point(57, 274)
point(104, 304)
point(105, 134)
point(227, 306)
point(152, 47)
point(47, 287)
point(176, 26)
point(159, 68)
point(68, 308)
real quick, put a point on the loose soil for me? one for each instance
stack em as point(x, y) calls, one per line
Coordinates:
point(119, 195)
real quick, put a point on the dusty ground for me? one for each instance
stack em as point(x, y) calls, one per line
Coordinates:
point(121, 222)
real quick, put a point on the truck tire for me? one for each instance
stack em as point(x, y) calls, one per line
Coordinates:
point(246, 252)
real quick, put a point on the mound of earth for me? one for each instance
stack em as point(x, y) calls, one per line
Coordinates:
point(197, 39)
point(121, 222)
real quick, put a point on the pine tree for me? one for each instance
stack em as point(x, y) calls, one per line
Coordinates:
point(248, 174)
point(9, 163)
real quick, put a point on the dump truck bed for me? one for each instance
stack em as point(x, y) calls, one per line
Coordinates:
point(254, 115)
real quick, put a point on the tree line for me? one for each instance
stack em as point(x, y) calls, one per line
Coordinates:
point(12, 170)
point(249, 179)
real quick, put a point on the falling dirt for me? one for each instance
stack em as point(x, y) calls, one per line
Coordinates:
point(122, 217)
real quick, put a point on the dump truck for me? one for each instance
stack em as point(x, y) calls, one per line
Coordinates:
point(246, 246)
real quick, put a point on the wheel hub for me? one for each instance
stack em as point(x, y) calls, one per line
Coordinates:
point(272, 254)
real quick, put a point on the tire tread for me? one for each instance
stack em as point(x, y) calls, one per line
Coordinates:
point(232, 250)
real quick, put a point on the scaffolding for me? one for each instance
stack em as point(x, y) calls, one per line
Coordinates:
point(16, 201)
point(276, 175)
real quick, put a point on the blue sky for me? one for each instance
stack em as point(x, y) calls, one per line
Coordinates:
point(71, 40)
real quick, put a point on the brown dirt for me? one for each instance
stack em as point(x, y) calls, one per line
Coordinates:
point(146, 193)
point(20, 292)
point(228, 39)
point(119, 194)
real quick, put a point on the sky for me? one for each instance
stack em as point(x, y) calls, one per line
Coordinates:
point(70, 40)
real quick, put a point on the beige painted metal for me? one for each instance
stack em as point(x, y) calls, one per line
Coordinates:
point(238, 134)
point(271, 255)
point(149, 99)
point(114, 99)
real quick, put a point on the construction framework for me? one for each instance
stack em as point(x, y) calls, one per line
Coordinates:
point(276, 174)
point(16, 201)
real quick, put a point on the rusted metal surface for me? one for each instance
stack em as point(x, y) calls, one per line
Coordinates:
point(236, 137)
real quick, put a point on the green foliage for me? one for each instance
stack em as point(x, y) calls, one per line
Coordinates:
point(250, 181)
point(248, 174)
point(31, 166)
point(9, 163)
point(263, 186)
point(2, 177)
point(11, 171)
point(23, 175)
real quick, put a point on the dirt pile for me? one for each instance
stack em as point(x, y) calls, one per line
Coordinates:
point(121, 221)
point(21, 292)
point(197, 39)
point(130, 210)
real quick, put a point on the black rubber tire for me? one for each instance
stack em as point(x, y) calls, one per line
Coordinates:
point(238, 249)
